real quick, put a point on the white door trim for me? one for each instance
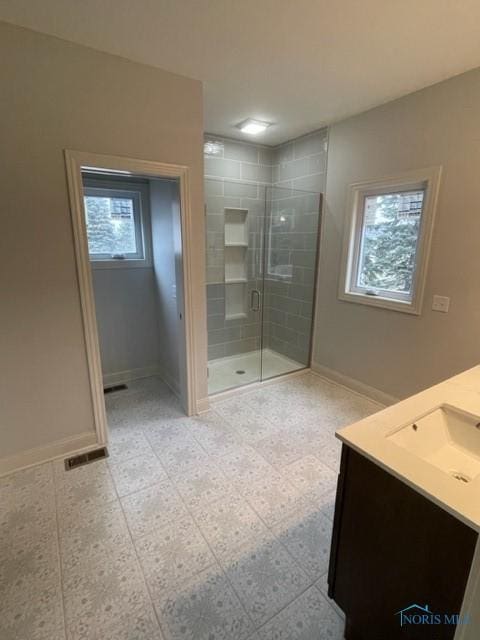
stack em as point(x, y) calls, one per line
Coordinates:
point(75, 161)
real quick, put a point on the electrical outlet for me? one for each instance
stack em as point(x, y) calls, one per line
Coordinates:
point(441, 303)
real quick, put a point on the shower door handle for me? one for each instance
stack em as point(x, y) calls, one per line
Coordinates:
point(255, 300)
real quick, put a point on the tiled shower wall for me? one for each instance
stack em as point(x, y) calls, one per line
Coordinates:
point(301, 163)
point(229, 161)
point(288, 291)
point(287, 312)
point(292, 227)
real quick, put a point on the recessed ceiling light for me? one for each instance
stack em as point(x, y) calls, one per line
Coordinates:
point(253, 126)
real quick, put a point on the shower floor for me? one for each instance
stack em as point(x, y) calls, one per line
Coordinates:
point(222, 373)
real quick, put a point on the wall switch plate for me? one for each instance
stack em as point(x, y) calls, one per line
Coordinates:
point(441, 303)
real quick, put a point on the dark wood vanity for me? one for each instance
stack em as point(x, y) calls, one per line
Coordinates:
point(393, 548)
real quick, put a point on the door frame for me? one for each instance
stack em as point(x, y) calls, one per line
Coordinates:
point(75, 161)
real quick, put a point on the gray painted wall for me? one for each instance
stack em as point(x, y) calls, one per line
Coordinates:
point(126, 309)
point(57, 95)
point(292, 223)
point(395, 352)
point(166, 243)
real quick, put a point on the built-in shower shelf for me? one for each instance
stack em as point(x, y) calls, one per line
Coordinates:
point(235, 252)
point(236, 231)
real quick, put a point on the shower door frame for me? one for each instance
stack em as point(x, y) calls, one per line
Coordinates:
point(263, 262)
point(315, 282)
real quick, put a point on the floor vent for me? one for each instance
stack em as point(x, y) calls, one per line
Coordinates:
point(85, 458)
point(116, 387)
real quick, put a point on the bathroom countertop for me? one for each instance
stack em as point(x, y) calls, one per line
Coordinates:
point(369, 437)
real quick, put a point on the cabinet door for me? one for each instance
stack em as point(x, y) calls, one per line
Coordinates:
point(391, 548)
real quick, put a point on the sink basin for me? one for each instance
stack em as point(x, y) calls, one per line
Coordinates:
point(447, 438)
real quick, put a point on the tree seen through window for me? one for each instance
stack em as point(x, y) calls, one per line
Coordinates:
point(388, 248)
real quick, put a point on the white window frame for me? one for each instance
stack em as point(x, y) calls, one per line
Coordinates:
point(426, 179)
point(140, 194)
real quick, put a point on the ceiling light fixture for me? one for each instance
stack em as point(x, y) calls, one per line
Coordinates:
point(252, 126)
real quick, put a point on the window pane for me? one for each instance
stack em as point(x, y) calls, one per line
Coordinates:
point(388, 245)
point(110, 225)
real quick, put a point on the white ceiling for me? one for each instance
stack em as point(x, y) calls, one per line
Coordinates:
point(297, 63)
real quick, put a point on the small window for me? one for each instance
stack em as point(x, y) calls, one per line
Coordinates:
point(114, 229)
point(387, 241)
point(117, 221)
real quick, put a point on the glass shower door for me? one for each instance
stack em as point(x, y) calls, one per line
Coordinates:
point(235, 222)
point(292, 226)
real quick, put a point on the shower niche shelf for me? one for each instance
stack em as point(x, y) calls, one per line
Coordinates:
point(235, 300)
point(235, 264)
point(236, 230)
point(236, 244)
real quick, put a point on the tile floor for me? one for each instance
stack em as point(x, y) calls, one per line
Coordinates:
point(215, 527)
point(256, 365)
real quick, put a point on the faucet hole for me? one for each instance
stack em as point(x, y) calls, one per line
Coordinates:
point(458, 475)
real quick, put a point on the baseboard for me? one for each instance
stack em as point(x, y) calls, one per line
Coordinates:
point(59, 449)
point(352, 384)
point(170, 382)
point(203, 405)
point(122, 377)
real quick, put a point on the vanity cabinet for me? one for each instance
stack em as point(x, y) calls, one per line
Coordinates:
point(391, 548)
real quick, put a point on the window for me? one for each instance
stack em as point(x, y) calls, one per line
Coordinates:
point(387, 241)
point(115, 224)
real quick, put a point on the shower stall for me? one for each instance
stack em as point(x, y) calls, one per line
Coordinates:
point(262, 250)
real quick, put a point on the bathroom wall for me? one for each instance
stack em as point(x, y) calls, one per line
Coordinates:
point(293, 236)
point(302, 163)
point(398, 353)
point(226, 160)
point(57, 95)
point(167, 269)
point(126, 309)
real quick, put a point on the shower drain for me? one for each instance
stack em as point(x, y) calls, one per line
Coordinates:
point(240, 372)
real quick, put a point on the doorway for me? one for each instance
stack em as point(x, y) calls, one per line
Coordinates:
point(130, 224)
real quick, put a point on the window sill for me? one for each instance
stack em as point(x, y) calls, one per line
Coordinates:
point(121, 264)
point(413, 308)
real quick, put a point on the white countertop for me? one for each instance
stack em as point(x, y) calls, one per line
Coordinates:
point(368, 437)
